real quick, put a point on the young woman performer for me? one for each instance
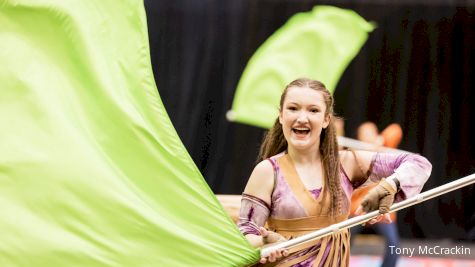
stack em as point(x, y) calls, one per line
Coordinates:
point(303, 182)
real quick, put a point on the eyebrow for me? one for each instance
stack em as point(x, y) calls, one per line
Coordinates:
point(311, 105)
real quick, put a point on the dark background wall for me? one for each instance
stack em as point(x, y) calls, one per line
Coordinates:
point(417, 68)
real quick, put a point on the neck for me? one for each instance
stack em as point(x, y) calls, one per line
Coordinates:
point(304, 157)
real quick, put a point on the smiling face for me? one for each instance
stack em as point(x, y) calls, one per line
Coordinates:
point(303, 115)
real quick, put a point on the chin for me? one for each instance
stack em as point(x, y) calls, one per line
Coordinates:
point(301, 145)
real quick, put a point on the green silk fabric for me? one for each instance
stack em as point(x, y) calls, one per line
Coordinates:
point(318, 44)
point(92, 172)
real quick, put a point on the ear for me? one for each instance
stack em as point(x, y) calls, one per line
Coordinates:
point(326, 121)
point(280, 117)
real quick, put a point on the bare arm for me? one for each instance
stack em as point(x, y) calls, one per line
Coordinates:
point(357, 165)
point(399, 176)
point(410, 170)
point(261, 182)
point(254, 213)
point(255, 209)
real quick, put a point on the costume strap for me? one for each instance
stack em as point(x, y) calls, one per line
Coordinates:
point(298, 188)
point(336, 246)
point(291, 228)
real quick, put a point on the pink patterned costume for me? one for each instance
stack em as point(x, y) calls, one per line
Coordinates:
point(412, 171)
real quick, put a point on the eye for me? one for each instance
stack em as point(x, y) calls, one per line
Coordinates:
point(293, 108)
point(314, 110)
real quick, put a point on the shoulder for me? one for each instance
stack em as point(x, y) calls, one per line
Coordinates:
point(261, 181)
point(346, 161)
point(266, 167)
point(263, 172)
point(356, 163)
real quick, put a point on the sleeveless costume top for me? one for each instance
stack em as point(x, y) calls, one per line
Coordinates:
point(296, 211)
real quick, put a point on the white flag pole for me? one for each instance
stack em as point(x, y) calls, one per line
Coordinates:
point(440, 190)
point(359, 145)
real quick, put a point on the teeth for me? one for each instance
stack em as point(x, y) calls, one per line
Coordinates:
point(302, 129)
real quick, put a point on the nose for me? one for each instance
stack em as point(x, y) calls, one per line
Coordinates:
point(302, 117)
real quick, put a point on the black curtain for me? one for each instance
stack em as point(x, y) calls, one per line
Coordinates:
point(416, 69)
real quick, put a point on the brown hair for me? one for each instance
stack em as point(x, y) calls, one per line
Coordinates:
point(274, 142)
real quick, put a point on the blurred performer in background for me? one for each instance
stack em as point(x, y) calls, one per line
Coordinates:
point(391, 137)
point(303, 183)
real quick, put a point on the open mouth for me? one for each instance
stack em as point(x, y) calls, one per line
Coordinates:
point(301, 131)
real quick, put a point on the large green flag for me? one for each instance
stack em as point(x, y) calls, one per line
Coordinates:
point(92, 172)
point(318, 44)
